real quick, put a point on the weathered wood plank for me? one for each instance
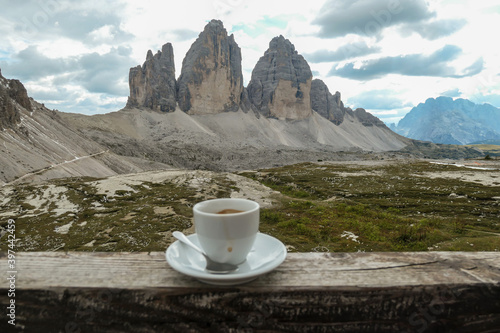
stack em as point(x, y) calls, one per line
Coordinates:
point(150, 270)
point(309, 292)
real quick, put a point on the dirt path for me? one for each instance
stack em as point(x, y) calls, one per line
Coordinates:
point(53, 166)
point(484, 232)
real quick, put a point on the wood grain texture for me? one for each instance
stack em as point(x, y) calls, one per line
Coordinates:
point(309, 292)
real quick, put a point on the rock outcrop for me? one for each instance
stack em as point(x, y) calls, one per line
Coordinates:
point(332, 108)
point(327, 105)
point(211, 79)
point(153, 85)
point(281, 82)
point(367, 119)
point(12, 92)
point(8, 113)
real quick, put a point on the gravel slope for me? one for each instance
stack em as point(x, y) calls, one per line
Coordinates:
point(230, 140)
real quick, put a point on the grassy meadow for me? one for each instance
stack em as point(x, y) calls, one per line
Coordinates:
point(407, 205)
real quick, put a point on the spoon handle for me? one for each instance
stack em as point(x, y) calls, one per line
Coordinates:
point(180, 236)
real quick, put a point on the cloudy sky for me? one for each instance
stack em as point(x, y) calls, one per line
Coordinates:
point(382, 55)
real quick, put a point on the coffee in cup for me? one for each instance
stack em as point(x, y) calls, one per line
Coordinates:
point(227, 228)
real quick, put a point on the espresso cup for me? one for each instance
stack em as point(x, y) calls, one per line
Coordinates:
point(226, 228)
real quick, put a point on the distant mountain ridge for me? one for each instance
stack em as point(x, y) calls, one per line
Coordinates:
point(447, 121)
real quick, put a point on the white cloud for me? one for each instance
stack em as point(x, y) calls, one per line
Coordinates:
point(436, 64)
point(369, 18)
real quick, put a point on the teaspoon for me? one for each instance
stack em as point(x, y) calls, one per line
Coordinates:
point(212, 266)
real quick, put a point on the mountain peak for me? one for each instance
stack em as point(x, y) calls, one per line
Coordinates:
point(153, 85)
point(211, 79)
point(281, 82)
point(215, 25)
point(281, 43)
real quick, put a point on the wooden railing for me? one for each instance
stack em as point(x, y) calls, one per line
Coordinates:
point(309, 292)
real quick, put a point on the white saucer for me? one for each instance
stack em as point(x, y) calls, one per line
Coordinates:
point(267, 253)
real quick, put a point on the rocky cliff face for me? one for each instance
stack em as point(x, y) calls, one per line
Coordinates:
point(153, 85)
point(281, 82)
point(12, 92)
point(211, 80)
point(327, 105)
point(8, 113)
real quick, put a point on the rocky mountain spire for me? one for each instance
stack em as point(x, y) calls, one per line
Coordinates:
point(153, 85)
point(211, 82)
point(211, 79)
point(281, 82)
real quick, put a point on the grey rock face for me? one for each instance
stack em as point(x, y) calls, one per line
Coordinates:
point(211, 79)
point(327, 105)
point(8, 113)
point(153, 85)
point(281, 82)
point(320, 98)
point(331, 106)
point(12, 92)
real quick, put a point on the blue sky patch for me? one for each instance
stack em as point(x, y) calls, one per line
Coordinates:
point(260, 27)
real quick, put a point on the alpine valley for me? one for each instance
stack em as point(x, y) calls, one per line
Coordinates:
point(204, 119)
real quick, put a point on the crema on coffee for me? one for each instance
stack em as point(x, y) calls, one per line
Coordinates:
point(230, 211)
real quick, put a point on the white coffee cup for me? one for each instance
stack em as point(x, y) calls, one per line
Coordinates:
point(226, 237)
